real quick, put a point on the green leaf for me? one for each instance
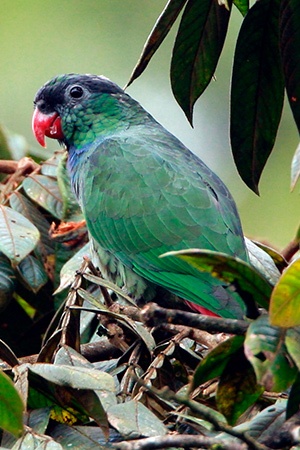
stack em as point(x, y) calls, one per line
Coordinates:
point(237, 389)
point(242, 6)
point(77, 385)
point(257, 91)
point(32, 273)
point(197, 49)
point(284, 305)
point(33, 441)
point(266, 423)
point(7, 355)
point(292, 342)
point(45, 192)
point(289, 46)
point(109, 285)
point(50, 166)
point(278, 259)
point(83, 437)
point(145, 423)
point(229, 269)
point(27, 208)
point(69, 269)
point(262, 261)
point(75, 377)
point(266, 350)
point(18, 235)
point(294, 398)
point(295, 171)
point(38, 419)
point(7, 281)
point(158, 33)
point(12, 408)
point(214, 363)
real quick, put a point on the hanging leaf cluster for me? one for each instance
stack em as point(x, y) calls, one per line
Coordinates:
point(266, 62)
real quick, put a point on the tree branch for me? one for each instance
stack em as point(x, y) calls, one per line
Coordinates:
point(180, 440)
point(153, 315)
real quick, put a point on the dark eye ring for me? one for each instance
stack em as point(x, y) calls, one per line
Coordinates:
point(76, 92)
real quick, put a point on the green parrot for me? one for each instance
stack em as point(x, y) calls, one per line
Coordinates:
point(142, 193)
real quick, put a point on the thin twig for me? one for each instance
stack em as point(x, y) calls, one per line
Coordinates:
point(106, 296)
point(200, 336)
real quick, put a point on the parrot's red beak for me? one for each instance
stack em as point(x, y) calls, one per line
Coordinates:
point(46, 125)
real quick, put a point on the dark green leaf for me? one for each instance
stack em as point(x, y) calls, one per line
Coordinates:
point(278, 259)
point(294, 398)
point(7, 281)
point(80, 378)
point(91, 403)
point(229, 269)
point(267, 422)
point(214, 363)
point(284, 305)
point(242, 6)
point(289, 45)
point(44, 191)
point(292, 342)
point(257, 91)
point(7, 355)
point(11, 411)
point(266, 350)
point(237, 389)
point(18, 235)
point(38, 419)
point(65, 408)
point(158, 33)
point(24, 206)
point(197, 48)
point(32, 273)
point(80, 437)
point(75, 377)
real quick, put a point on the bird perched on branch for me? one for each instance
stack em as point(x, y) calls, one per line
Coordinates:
point(142, 192)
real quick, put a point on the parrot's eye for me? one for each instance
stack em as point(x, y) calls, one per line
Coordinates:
point(41, 105)
point(76, 92)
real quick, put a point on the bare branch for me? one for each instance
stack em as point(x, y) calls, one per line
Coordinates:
point(154, 315)
point(180, 440)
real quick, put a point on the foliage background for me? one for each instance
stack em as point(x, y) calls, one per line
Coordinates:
point(40, 39)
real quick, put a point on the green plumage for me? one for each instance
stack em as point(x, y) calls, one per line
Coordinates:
point(143, 193)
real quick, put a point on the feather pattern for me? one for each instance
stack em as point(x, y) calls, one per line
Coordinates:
point(143, 193)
